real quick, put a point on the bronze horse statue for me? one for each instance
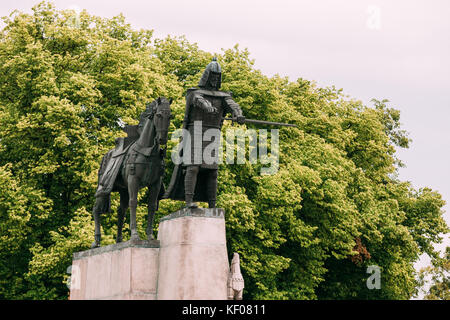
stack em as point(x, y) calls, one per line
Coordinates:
point(135, 163)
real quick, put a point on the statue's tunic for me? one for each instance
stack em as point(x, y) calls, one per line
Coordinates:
point(196, 99)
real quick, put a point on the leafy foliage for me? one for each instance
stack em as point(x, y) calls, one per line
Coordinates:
point(435, 279)
point(309, 231)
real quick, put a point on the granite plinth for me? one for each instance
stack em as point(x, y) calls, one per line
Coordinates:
point(189, 261)
point(193, 255)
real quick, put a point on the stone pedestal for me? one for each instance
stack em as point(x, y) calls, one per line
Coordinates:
point(193, 257)
point(189, 261)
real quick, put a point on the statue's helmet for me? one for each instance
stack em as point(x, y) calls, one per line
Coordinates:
point(212, 76)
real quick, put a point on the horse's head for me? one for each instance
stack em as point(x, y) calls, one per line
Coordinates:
point(162, 119)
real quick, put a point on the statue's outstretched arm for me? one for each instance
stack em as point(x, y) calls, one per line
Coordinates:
point(234, 109)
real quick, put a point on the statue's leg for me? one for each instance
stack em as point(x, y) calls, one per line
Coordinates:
point(190, 180)
point(124, 199)
point(211, 188)
point(152, 207)
point(96, 213)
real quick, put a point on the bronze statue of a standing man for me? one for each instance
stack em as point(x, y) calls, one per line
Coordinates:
point(206, 105)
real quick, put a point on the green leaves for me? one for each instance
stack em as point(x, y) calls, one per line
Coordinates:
point(434, 279)
point(23, 209)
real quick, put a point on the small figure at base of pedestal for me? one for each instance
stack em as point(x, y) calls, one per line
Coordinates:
point(235, 279)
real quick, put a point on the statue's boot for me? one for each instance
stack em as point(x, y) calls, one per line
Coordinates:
point(211, 188)
point(212, 203)
point(189, 201)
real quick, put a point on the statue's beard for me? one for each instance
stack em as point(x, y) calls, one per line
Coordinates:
point(213, 85)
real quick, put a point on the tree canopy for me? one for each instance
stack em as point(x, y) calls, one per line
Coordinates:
point(335, 206)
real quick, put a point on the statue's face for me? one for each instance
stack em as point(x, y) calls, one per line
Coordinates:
point(214, 79)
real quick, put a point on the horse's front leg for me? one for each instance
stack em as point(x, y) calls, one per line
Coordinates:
point(96, 211)
point(133, 188)
point(152, 207)
point(124, 202)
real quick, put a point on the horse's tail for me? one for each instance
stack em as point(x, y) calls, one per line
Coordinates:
point(103, 200)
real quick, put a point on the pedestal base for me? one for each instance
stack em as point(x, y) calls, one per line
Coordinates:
point(189, 261)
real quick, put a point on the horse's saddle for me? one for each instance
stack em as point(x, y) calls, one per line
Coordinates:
point(112, 162)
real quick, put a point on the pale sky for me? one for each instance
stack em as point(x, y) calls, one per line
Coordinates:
point(398, 50)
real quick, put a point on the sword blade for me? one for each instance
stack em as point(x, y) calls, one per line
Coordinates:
point(269, 123)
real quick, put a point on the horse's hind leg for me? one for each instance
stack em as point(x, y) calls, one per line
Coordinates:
point(124, 198)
